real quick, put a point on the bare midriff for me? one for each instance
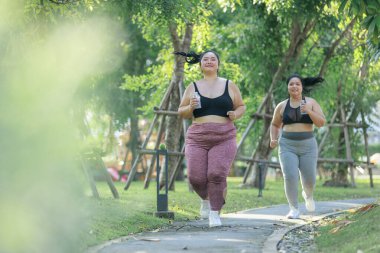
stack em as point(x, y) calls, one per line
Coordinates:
point(298, 127)
point(211, 118)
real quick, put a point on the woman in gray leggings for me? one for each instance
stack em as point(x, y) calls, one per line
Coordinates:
point(298, 149)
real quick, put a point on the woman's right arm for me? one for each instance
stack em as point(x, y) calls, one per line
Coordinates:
point(275, 126)
point(186, 107)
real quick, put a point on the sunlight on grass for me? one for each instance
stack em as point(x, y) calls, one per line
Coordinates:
point(137, 205)
point(360, 234)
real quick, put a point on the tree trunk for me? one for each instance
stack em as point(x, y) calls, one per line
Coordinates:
point(174, 124)
point(339, 177)
point(264, 151)
point(109, 144)
point(134, 136)
point(334, 45)
point(297, 40)
point(267, 151)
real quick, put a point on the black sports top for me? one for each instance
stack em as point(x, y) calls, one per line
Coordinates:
point(293, 115)
point(214, 106)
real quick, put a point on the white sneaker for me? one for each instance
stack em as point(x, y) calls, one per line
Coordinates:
point(309, 202)
point(205, 209)
point(293, 214)
point(214, 219)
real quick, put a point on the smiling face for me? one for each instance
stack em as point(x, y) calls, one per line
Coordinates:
point(295, 87)
point(209, 62)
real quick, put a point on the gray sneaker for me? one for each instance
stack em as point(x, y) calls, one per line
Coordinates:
point(309, 202)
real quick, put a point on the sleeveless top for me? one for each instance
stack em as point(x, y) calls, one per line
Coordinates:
point(214, 106)
point(293, 115)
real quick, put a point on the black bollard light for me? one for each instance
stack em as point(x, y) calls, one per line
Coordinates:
point(262, 167)
point(162, 198)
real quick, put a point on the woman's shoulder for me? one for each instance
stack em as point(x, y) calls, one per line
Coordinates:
point(310, 99)
point(194, 82)
point(190, 87)
point(278, 111)
point(281, 106)
point(282, 103)
point(224, 80)
point(230, 83)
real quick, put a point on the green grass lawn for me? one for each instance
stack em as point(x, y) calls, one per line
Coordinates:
point(109, 218)
point(351, 233)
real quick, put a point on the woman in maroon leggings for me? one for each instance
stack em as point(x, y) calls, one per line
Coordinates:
point(213, 103)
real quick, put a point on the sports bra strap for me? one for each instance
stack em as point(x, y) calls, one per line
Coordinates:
point(195, 86)
point(226, 89)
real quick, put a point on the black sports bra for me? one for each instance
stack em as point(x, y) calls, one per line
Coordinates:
point(214, 106)
point(293, 115)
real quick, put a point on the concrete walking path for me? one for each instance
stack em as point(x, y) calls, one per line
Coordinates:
point(255, 230)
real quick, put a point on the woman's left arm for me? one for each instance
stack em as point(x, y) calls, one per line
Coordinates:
point(239, 106)
point(316, 114)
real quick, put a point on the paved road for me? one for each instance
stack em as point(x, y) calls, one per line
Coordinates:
point(255, 230)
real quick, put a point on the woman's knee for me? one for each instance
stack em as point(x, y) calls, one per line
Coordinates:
point(197, 181)
point(215, 177)
point(291, 178)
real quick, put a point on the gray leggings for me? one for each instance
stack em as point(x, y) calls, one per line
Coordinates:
point(298, 153)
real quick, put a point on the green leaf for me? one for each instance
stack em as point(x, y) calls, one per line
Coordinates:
point(377, 20)
point(363, 6)
point(373, 8)
point(342, 5)
point(367, 21)
point(371, 28)
point(355, 7)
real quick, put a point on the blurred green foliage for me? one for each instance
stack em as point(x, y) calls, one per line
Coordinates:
point(73, 74)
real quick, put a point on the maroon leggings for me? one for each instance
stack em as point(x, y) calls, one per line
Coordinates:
point(210, 150)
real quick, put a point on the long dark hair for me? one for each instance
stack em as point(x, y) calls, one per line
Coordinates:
point(193, 58)
point(308, 83)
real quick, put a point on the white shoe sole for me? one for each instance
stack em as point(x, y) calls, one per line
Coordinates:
point(215, 225)
point(292, 216)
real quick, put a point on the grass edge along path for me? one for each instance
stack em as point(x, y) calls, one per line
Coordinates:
point(357, 230)
point(110, 218)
